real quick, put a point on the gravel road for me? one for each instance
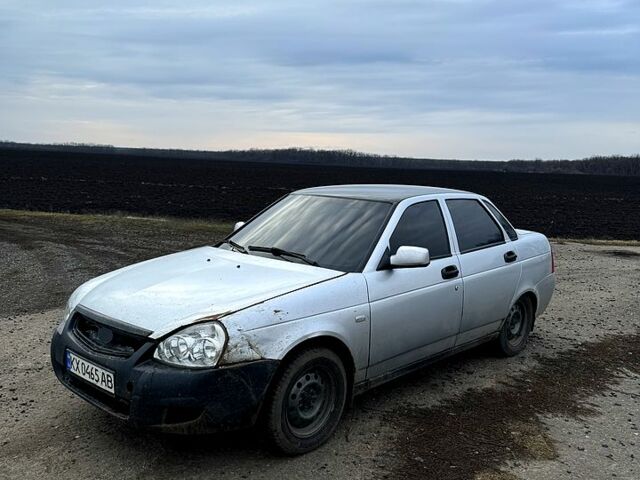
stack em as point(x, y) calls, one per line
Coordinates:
point(569, 407)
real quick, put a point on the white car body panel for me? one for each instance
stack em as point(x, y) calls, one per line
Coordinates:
point(489, 286)
point(411, 309)
point(165, 293)
point(337, 308)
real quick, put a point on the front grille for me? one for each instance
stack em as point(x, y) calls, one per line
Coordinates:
point(104, 338)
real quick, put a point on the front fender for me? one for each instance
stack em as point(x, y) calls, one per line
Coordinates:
point(338, 308)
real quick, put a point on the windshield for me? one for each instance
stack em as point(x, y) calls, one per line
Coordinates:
point(335, 233)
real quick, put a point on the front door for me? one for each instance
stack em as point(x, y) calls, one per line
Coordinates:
point(415, 312)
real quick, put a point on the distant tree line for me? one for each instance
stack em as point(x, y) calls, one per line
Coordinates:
point(597, 165)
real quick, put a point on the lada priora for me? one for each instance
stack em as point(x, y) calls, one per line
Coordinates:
point(324, 294)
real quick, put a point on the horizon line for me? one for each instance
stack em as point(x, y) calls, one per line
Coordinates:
point(309, 149)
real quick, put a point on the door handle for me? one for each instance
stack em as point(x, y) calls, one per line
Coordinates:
point(510, 256)
point(450, 271)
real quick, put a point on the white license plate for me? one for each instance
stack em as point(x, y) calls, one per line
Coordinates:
point(90, 372)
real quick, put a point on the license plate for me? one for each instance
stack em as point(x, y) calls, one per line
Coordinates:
point(90, 372)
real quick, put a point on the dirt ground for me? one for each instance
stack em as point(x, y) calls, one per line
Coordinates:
point(569, 407)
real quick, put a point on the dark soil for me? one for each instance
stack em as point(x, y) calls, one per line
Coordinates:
point(622, 253)
point(574, 206)
point(473, 435)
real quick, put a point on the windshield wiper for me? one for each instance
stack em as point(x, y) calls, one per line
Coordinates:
point(236, 246)
point(279, 252)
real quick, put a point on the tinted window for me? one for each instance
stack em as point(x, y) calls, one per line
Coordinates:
point(502, 221)
point(474, 226)
point(337, 233)
point(422, 225)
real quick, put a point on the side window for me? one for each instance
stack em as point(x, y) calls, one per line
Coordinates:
point(422, 225)
point(474, 226)
point(502, 221)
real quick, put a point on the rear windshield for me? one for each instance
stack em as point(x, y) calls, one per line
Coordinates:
point(336, 233)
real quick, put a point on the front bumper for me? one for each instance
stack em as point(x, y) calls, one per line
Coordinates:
point(149, 394)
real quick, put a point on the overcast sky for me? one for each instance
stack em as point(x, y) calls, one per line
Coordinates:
point(446, 79)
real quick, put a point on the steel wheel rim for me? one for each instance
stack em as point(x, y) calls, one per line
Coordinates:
point(516, 322)
point(310, 401)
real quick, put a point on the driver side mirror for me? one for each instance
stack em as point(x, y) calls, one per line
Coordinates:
point(408, 257)
point(238, 225)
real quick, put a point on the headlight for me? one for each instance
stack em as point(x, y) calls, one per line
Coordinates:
point(65, 318)
point(197, 346)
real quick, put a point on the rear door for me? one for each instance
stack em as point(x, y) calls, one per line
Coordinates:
point(489, 265)
point(415, 312)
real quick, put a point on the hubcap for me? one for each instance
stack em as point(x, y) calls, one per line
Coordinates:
point(309, 402)
point(515, 323)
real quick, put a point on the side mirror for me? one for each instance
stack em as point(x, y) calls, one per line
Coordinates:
point(407, 257)
point(238, 225)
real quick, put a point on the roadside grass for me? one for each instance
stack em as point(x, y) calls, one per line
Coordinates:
point(596, 241)
point(217, 228)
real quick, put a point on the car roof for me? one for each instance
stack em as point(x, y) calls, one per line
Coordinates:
point(387, 193)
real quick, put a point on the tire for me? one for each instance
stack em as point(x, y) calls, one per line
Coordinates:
point(514, 335)
point(306, 402)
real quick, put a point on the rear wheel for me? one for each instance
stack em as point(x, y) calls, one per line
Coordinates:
point(306, 401)
point(514, 335)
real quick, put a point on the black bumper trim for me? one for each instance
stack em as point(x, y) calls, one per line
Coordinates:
point(149, 394)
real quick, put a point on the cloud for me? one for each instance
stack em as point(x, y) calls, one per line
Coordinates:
point(467, 72)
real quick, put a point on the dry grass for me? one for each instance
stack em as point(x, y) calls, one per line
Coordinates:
point(132, 220)
point(597, 241)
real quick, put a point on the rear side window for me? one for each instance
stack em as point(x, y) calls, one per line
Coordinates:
point(502, 221)
point(422, 225)
point(474, 226)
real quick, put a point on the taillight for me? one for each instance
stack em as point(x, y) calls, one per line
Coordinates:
point(553, 261)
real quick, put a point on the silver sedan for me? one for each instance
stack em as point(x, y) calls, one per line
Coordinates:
point(324, 294)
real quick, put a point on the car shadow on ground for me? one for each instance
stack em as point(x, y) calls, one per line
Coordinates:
point(250, 442)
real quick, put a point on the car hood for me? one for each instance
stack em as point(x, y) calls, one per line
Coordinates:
point(166, 293)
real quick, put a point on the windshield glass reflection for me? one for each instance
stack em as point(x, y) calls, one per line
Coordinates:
point(337, 233)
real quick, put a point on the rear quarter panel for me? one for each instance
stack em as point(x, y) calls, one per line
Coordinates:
point(534, 252)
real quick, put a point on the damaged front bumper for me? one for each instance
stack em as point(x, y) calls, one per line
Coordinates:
point(149, 394)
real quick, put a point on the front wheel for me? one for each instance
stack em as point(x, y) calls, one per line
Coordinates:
point(515, 331)
point(306, 401)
